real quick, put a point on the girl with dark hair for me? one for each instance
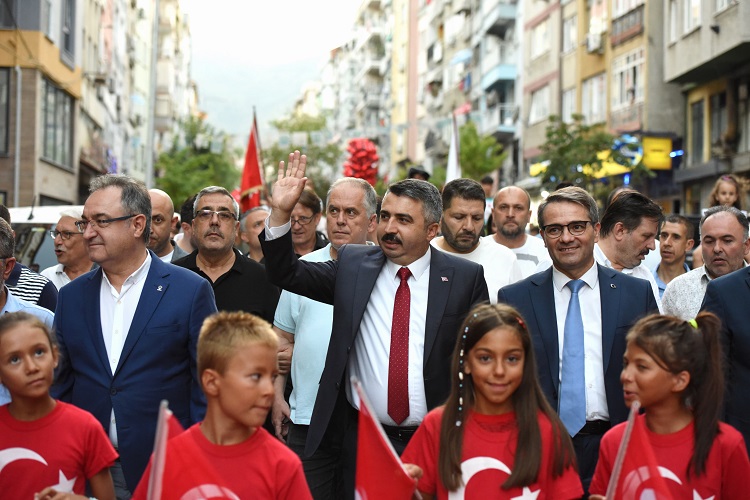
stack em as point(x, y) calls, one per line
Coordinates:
point(496, 436)
point(51, 449)
point(673, 368)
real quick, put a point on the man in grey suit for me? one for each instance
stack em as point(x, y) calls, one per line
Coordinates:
point(366, 287)
point(610, 303)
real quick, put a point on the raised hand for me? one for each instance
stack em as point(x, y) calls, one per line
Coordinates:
point(288, 188)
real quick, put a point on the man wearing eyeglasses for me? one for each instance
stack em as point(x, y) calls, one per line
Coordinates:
point(239, 283)
point(578, 313)
point(305, 219)
point(128, 331)
point(163, 220)
point(70, 250)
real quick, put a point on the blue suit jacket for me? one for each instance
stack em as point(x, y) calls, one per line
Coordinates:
point(728, 297)
point(158, 359)
point(455, 285)
point(624, 300)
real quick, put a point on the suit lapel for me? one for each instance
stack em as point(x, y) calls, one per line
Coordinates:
point(542, 299)
point(368, 274)
point(154, 289)
point(441, 277)
point(93, 318)
point(610, 301)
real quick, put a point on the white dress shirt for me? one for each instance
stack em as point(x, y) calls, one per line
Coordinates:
point(370, 355)
point(591, 313)
point(639, 271)
point(116, 312)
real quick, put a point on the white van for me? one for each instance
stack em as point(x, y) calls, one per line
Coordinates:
point(34, 245)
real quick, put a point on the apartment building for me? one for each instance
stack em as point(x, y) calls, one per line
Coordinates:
point(707, 48)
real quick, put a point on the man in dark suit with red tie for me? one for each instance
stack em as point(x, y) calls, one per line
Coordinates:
point(397, 310)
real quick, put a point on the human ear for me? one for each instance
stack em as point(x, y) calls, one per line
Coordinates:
point(680, 381)
point(210, 380)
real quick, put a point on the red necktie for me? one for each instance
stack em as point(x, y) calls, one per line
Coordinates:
point(398, 364)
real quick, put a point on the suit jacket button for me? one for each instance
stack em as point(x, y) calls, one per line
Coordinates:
point(338, 385)
point(349, 349)
point(113, 391)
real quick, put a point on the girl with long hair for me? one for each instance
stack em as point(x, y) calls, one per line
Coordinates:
point(496, 436)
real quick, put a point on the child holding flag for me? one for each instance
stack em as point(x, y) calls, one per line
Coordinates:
point(496, 436)
point(229, 454)
point(673, 369)
point(48, 449)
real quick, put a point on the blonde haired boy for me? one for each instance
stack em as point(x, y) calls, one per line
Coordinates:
point(237, 365)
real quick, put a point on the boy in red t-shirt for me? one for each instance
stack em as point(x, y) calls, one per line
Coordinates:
point(237, 363)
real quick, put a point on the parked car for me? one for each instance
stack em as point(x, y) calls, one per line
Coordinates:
point(32, 226)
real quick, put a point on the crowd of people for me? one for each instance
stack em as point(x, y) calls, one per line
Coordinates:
point(499, 364)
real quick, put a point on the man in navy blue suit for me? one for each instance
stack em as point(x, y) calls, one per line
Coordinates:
point(609, 303)
point(128, 331)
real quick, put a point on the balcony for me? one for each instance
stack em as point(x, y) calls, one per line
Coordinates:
point(373, 65)
point(500, 72)
point(499, 121)
point(371, 97)
point(498, 18)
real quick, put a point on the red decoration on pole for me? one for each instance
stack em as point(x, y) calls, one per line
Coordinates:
point(362, 162)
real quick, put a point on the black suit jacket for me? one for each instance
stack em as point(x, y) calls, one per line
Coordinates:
point(728, 297)
point(624, 300)
point(455, 286)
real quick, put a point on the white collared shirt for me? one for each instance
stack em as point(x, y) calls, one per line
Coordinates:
point(370, 354)
point(168, 258)
point(639, 271)
point(591, 313)
point(116, 312)
point(372, 346)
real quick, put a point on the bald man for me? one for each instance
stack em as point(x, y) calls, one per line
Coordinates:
point(511, 212)
point(162, 219)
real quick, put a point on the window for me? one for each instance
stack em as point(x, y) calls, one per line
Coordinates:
point(672, 29)
point(692, 15)
point(6, 18)
point(719, 116)
point(68, 27)
point(627, 79)
point(722, 4)
point(540, 39)
point(696, 133)
point(568, 107)
point(593, 96)
point(621, 7)
point(57, 119)
point(4, 91)
point(539, 108)
point(570, 34)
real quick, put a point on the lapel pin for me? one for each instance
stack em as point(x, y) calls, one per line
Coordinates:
point(159, 288)
point(612, 285)
point(443, 278)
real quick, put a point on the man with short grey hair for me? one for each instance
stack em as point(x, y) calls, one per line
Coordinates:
point(724, 242)
point(239, 283)
point(128, 331)
point(70, 250)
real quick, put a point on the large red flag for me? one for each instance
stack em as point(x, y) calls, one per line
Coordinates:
point(252, 174)
point(636, 472)
point(380, 473)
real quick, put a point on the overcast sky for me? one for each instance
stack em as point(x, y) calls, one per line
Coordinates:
point(259, 53)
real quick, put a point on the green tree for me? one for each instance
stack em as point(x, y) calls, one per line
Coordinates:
point(478, 155)
point(204, 159)
point(323, 161)
point(573, 152)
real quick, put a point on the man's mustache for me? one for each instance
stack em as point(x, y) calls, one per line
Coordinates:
point(392, 238)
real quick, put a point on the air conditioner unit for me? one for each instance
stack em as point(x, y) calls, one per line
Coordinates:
point(594, 43)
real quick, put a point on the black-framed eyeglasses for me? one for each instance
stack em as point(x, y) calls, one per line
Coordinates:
point(223, 215)
point(100, 223)
point(576, 228)
point(302, 221)
point(66, 235)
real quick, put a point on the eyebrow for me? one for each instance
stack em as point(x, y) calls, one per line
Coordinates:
point(405, 216)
